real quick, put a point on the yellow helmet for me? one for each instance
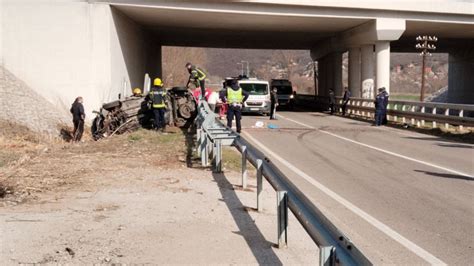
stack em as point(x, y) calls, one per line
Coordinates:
point(158, 82)
point(137, 91)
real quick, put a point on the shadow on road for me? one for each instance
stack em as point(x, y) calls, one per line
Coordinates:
point(455, 146)
point(444, 175)
point(261, 248)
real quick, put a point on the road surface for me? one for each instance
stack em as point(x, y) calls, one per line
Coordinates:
point(402, 197)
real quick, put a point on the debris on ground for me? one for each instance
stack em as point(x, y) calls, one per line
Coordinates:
point(131, 113)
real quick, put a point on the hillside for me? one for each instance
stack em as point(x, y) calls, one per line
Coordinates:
point(267, 64)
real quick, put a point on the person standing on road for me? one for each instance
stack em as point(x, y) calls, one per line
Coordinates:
point(234, 96)
point(198, 76)
point(78, 116)
point(273, 103)
point(345, 100)
point(332, 101)
point(385, 103)
point(157, 97)
point(380, 106)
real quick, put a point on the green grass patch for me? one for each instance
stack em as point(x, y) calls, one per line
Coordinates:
point(232, 159)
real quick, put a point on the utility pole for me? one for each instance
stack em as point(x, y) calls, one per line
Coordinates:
point(247, 62)
point(425, 44)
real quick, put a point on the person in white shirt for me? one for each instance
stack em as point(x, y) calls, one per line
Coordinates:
point(212, 100)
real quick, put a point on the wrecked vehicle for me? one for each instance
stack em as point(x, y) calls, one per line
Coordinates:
point(131, 113)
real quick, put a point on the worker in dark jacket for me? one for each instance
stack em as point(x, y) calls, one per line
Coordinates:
point(345, 100)
point(273, 103)
point(78, 116)
point(332, 101)
point(381, 102)
point(198, 76)
point(385, 103)
point(157, 97)
point(235, 97)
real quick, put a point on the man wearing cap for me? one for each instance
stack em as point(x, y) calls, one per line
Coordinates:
point(235, 97)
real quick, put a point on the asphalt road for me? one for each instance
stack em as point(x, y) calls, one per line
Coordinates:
point(401, 196)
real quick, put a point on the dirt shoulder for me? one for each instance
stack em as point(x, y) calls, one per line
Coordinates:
point(136, 198)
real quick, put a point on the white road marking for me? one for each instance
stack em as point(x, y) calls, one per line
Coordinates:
point(383, 151)
point(430, 258)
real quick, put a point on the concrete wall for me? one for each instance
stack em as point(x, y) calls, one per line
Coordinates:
point(63, 49)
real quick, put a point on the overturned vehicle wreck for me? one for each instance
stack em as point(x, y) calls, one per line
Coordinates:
point(131, 113)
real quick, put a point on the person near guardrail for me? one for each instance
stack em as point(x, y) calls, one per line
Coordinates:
point(332, 101)
point(345, 100)
point(385, 103)
point(157, 96)
point(198, 76)
point(273, 103)
point(381, 102)
point(235, 97)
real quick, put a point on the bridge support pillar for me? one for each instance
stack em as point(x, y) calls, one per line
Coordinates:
point(354, 71)
point(382, 51)
point(461, 76)
point(367, 71)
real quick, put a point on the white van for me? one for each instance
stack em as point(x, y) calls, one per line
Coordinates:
point(259, 96)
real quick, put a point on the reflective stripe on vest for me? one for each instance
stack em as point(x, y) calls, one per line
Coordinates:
point(158, 98)
point(200, 75)
point(234, 96)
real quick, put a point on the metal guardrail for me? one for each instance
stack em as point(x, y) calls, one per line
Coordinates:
point(335, 247)
point(417, 113)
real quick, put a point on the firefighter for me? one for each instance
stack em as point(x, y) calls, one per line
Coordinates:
point(157, 97)
point(137, 92)
point(235, 97)
point(198, 76)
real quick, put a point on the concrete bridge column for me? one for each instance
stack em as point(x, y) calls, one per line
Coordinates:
point(382, 51)
point(461, 77)
point(367, 71)
point(354, 71)
point(322, 77)
point(336, 59)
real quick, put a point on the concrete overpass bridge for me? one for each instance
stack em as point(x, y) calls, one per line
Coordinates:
point(403, 205)
point(97, 47)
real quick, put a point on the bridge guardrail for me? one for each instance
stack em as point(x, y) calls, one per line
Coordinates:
point(418, 113)
point(335, 247)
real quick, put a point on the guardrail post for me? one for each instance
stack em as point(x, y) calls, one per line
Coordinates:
point(434, 112)
point(198, 139)
point(423, 120)
point(404, 120)
point(259, 185)
point(446, 112)
point(461, 114)
point(244, 167)
point(327, 256)
point(217, 156)
point(395, 107)
point(282, 200)
point(204, 151)
point(412, 109)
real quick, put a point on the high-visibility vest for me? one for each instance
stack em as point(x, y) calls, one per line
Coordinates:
point(198, 74)
point(234, 96)
point(157, 97)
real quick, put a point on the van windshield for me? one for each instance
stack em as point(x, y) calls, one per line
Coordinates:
point(284, 90)
point(255, 89)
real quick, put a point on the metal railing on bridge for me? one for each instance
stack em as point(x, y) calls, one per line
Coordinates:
point(335, 247)
point(419, 114)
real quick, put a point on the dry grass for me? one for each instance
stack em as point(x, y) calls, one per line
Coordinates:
point(30, 165)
